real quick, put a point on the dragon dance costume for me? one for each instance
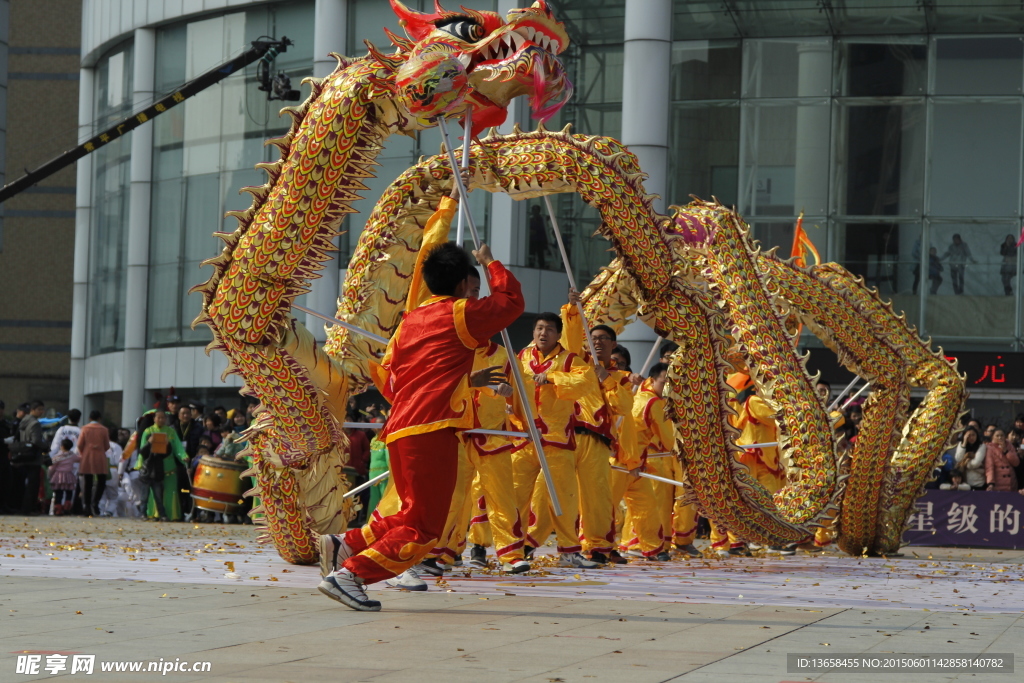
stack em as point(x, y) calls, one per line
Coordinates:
point(569, 379)
point(424, 375)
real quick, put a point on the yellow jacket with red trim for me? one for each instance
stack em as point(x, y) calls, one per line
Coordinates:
point(756, 422)
point(554, 403)
point(655, 433)
point(609, 410)
point(491, 409)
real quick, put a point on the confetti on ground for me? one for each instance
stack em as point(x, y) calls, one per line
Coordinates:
point(216, 554)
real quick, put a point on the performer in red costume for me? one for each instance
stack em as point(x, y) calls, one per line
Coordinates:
point(425, 375)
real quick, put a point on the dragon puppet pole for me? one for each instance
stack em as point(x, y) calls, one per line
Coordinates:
point(467, 128)
point(517, 371)
point(832, 406)
point(854, 397)
point(341, 323)
point(652, 477)
point(366, 485)
point(655, 345)
point(572, 280)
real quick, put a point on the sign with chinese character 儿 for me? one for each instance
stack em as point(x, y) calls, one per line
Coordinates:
point(967, 518)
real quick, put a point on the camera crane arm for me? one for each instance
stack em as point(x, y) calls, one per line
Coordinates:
point(260, 49)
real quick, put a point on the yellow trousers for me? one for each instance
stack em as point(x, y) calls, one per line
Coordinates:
point(721, 538)
point(678, 520)
point(643, 510)
point(533, 501)
point(492, 503)
point(593, 477)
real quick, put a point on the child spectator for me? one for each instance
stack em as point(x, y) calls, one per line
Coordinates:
point(62, 477)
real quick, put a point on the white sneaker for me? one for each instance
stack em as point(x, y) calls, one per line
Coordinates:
point(408, 580)
point(333, 551)
point(347, 588)
point(576, 560)
point(517, 567)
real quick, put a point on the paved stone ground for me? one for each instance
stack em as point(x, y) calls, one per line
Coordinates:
point(277, 627)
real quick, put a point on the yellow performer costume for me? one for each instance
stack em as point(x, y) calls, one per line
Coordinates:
point(608, 437)
point(654, 437)
point(491, 499)
point(568, 379)
point(755, 421)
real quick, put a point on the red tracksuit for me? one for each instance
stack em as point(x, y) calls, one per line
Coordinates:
point(425, 377)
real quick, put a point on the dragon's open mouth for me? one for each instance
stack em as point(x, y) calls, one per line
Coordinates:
point(521, 60)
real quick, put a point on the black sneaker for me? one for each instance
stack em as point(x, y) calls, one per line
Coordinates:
point(660, 557)
point(600, 558)
point(528, 552)
point(688, 549)
point(478, 557)
point(740, 551)
point(615, 558)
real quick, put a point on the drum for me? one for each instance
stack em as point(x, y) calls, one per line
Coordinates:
point(218, 486)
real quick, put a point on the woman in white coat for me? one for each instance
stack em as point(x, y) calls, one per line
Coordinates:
point(970, 459)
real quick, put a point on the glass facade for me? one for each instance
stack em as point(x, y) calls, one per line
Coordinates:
point(204, 151)
point(108, 255)
point(889, 145)
point(891, 133)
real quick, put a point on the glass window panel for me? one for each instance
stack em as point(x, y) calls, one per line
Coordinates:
point(882, 68)
point(702, 21)
point(170, 67)
point(881, 159)
point(293, 20)
point(368, 19)
point(784, 157)
point(706, 70)
point(760, 18)
point(979, 66)
point(202, 216)
point(871, 17)
point(798, 67)
point(704, 153)
point(887, 255)
point(165, 222)
point(971, 300)
point(192, 304)
point(164, 304)
point(975, 159)
point(109, 217)
point(592, 22)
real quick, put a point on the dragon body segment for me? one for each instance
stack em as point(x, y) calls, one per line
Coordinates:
point(694, 276)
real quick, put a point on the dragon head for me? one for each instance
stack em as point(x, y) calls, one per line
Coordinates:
point(478, 59)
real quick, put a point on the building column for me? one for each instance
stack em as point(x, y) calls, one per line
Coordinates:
point(647, 60)
point(141, 177)
point(813, 125)
point(83, 216)
point(330, 31)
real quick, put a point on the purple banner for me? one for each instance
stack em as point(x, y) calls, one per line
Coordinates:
point(968, 518)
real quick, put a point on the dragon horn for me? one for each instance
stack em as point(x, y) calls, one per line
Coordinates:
point(416, 24)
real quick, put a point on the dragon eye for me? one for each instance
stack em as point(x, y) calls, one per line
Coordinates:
point(465, 30)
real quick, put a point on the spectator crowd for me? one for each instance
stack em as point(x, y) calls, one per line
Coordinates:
point(64, 465)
